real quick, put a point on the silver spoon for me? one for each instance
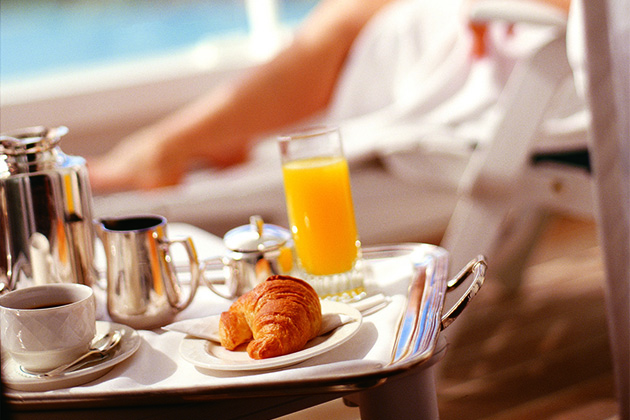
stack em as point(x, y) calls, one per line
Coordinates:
point(102, 346)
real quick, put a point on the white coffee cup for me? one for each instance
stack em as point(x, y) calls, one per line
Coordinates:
point(43, 327)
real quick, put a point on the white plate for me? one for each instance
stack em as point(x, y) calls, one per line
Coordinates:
point(207, 354)
point(16, 378)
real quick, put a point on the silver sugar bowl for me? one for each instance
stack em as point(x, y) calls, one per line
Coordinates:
point(254, 252)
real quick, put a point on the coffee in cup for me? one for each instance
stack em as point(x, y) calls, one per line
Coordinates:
point(43, 327)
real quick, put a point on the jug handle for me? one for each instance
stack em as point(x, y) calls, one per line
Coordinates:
point(215, 265)
point(172, 287)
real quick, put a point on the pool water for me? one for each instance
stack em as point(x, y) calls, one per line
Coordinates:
point(43, 36)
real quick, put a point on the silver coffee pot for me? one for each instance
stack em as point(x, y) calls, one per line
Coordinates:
point(46, 230)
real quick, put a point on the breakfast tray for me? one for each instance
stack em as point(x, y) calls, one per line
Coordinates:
point(398, 338)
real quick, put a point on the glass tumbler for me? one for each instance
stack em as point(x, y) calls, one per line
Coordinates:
point(321, 212)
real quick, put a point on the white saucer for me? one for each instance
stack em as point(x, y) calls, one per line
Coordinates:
point(207, 354)
point(15, 378)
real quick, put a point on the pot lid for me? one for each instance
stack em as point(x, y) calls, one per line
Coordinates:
point(30, 140)
point(256, 237)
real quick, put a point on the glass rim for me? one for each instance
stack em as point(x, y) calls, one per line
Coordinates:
point(308, 132)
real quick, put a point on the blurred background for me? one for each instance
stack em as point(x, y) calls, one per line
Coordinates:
point(106, 68)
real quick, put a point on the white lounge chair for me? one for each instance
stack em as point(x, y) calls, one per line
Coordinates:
point(530, 166)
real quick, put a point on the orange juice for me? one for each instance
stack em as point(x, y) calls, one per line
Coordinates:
point(321, 213)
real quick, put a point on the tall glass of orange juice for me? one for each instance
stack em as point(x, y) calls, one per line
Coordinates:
point(321, 212)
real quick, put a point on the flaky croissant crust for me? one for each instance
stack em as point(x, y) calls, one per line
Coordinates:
point(279, 316)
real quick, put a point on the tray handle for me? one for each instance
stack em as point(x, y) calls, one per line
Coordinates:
point(476, 267)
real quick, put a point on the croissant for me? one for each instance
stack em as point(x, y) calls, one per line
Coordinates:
point(280, 315)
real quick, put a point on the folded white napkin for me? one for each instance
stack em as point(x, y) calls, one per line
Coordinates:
point(208, 327)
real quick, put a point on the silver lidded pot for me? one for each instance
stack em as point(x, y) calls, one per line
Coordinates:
point(255, 252)
point(46, 230)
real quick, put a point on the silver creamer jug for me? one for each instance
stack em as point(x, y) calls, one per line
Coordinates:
point(46, 228)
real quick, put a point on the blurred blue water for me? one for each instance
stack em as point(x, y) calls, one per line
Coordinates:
point(40, 36)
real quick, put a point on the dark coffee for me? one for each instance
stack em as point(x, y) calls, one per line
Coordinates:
point(47, 305)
